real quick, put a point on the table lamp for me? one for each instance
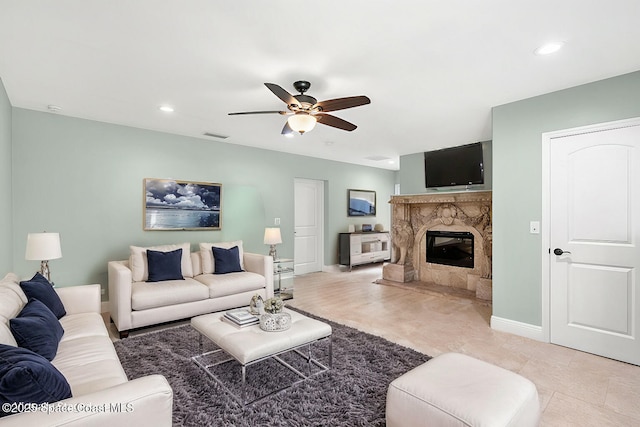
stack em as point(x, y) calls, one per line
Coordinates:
point(272, 237)
point(43, 247)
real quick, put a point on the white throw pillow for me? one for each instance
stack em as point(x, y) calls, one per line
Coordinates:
point(11, 281)
point(11, 303)
point(138, 260)
point(208, 265)
point(11, 278)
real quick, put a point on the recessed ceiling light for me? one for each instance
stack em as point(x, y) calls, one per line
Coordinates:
point(376, 158)
point(166, 108)
point(548, 48)
point(391, 162)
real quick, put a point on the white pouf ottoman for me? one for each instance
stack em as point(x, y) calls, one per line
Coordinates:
point(458, 390)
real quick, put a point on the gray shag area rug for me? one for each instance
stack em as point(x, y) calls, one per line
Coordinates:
point(352, 393)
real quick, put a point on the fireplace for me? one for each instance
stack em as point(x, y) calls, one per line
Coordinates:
point(450, 248)
point(455, 228)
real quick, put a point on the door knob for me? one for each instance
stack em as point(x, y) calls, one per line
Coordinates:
point(559, 251)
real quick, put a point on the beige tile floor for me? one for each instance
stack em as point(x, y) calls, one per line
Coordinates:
point(575, 388)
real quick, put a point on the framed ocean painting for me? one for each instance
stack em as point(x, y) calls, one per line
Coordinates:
point(181, 205)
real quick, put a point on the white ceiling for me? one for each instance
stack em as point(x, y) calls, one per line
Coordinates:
point(433, 69)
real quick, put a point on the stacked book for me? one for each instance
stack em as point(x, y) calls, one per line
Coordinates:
point(241, 318)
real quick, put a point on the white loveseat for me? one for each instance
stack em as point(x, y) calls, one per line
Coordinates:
point(135, 303)
point(101, 393)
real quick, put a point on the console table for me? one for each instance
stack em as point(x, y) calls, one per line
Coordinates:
point(363, 248)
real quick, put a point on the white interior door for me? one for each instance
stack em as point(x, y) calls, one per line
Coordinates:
point(308, 242)
point(595, 232)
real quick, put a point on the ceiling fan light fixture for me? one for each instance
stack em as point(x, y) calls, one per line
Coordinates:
point(301, 122)
point(305, 111)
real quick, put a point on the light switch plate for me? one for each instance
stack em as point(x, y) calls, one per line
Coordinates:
point(276, 221)
point(534, 227)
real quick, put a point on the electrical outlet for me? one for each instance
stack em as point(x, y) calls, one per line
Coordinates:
point(276, 221)
point(102, 291)
point(534, 227)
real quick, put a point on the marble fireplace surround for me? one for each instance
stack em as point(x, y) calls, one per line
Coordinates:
point(414, 215)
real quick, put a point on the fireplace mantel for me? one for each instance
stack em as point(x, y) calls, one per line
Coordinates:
point(413, 215)
point(436, 198)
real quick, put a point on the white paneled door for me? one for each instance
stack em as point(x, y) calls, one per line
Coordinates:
point(309, 208)
point(594, 237)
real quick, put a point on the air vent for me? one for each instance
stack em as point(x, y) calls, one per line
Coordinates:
point(213, 135)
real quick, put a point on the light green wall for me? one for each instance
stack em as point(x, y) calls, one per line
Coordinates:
point(6, 254)
point(517, 188)
point(83, 179)
point(411, 176)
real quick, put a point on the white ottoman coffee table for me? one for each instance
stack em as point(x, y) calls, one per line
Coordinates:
point(251, 345)
point(457, 390)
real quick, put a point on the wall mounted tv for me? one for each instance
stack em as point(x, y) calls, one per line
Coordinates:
point(453, 166)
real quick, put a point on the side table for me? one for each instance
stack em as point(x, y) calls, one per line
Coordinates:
point(283, 272)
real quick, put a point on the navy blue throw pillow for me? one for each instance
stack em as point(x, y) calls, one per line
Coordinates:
point(37, 329)
point(42, 290)
point(29, 378)
point(164, 265)
point(226, 260)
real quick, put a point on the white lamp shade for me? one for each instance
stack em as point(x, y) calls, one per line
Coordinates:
point(272, 236)
point(43, 246)
point(301, 122)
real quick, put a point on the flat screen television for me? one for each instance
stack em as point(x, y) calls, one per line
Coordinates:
point(462, 165)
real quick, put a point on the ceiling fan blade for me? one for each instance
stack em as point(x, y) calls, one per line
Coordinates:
point(286, 130)
point(258, 112)
point(329, 120)
point(342, 103)
point(282, 94)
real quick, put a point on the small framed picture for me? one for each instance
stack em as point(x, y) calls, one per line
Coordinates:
point(361, 203)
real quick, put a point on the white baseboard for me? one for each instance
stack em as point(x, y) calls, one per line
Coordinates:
point(517, 328)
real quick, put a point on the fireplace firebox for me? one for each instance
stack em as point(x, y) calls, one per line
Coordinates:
point(450, 248)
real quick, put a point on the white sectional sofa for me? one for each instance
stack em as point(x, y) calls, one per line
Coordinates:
point(101, 393)
point(134, 302)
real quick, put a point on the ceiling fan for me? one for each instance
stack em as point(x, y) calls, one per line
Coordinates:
point(305, 111)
